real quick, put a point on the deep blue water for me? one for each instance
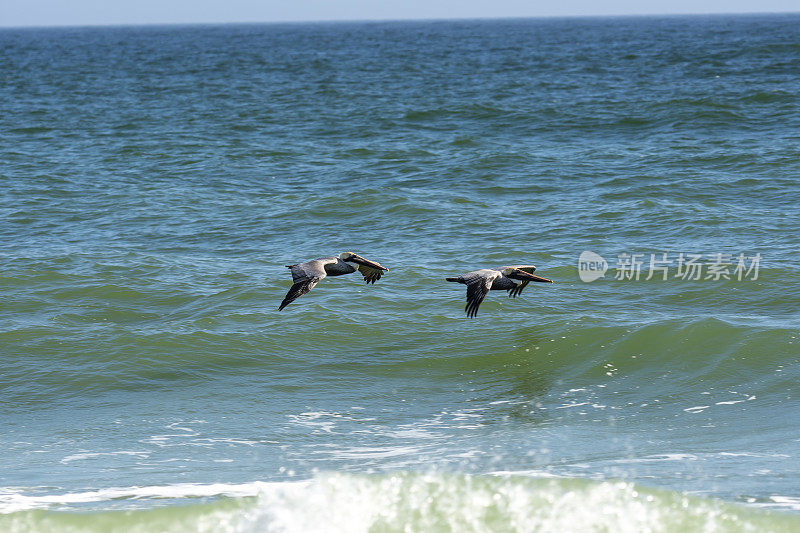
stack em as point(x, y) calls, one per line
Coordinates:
point(156, 180)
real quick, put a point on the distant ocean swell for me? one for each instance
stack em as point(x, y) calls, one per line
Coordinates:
point(685, 355)
point(395, 502)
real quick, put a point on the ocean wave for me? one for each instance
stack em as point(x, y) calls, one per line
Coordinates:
point(401, 501)
point(123, 332)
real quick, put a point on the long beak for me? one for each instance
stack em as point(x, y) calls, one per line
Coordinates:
point(366, 262)
point(524, 276)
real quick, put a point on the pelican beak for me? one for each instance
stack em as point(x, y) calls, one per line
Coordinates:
point(524, 276)
point(366, 262)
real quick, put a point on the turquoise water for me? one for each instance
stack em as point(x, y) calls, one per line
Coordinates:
point(156, 180)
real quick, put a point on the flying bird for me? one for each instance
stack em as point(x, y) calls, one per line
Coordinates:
point(480, 282)
point(307, 275)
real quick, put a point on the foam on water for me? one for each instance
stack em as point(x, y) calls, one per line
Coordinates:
point(402, 502)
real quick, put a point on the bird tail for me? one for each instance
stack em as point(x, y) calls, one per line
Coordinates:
point(452, 279)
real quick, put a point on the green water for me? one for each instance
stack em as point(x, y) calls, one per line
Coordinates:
point(156, 180)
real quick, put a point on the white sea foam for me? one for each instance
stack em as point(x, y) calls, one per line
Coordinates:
point(697, 409)
point(504, 501)
point(11, 501)
point(94, 455)
point(785, 502)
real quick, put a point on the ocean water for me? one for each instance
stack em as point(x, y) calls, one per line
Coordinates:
point(154, 181)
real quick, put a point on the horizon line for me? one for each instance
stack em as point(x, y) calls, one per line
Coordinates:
point(390, 20)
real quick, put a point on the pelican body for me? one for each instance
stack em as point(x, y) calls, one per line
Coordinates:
point(480, 282)
point(307, 275)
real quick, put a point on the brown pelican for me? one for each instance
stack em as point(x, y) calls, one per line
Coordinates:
point(307, 275)
point(480, 282)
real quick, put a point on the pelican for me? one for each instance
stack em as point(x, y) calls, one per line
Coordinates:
point(480, 282)
point(307, 275)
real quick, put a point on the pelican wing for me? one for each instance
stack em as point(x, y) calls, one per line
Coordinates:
point(371, 270)
point(478, 285)
point(305, 277)
point(297, 290)
point(530, 269)
point(371, 275)
point(513, 293)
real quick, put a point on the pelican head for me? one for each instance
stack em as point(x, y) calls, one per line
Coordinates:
point(515, 273)
point(350, 257)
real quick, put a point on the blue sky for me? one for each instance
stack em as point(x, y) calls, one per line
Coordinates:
point(91, 12)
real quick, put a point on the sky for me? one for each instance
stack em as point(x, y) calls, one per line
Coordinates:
point(107, 12)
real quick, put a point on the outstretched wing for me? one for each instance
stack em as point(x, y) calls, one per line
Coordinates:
point(513, 293)
point(305, 277)
point(530, 269)
point(297, 290)
point(371, 275)
point(478, 285)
